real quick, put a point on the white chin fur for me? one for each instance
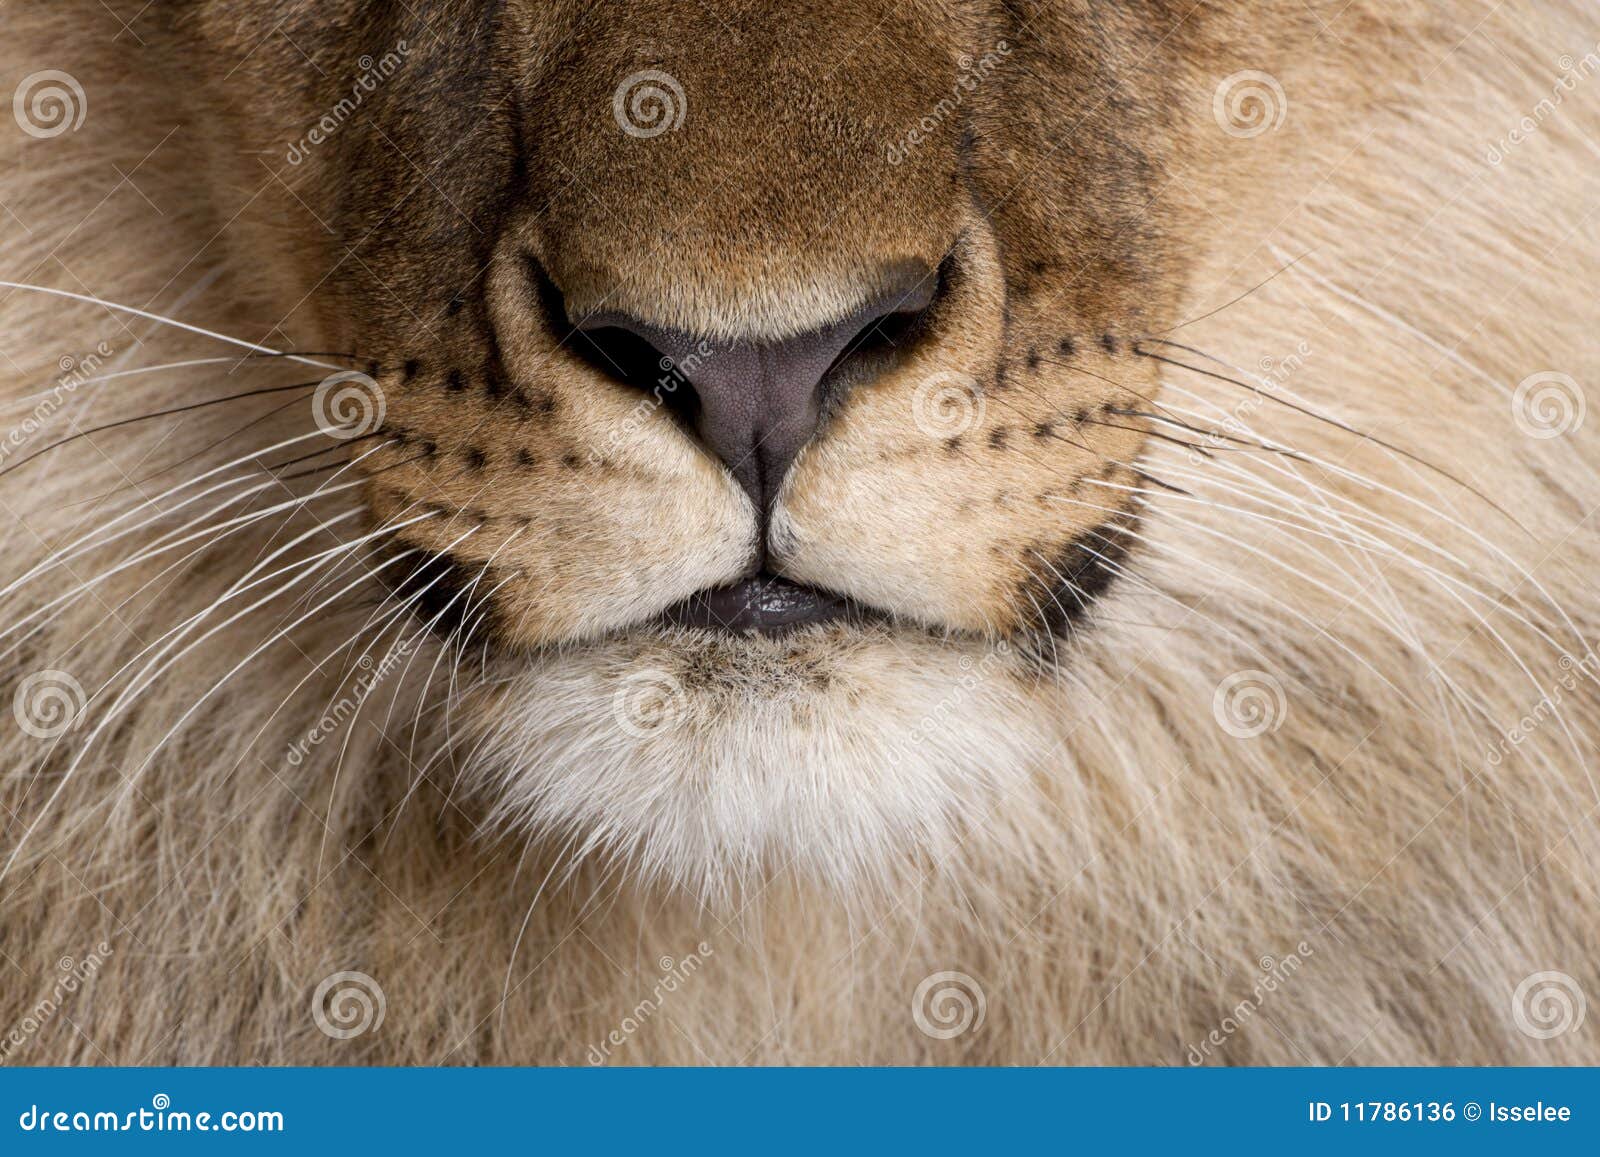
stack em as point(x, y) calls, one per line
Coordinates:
point(706, 761)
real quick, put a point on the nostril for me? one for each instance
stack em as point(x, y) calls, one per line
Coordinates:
point(633, 360)
point(898, 323)
point(881, 336)
point(621, 353)
point(752, 403)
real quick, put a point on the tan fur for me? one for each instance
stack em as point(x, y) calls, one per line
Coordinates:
point(825, 820)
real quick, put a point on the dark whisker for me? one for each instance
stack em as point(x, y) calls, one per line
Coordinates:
point(1236, 300)
point(367, 474)
point(1195, 446)
point(1334, 422)
point(149, 417)
point(1250, 443)
point(381, 432)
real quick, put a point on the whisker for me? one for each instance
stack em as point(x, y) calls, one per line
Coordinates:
point(1282, 269)
point(254, 347)
point(125, 698)
point(1336, 423)
point(70, 438)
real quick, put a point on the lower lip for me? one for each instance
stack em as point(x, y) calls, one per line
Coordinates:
point(764, 604)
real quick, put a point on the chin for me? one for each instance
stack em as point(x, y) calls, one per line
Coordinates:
point(710, 760)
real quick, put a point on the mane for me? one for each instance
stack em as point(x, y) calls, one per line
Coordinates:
point(1337, 715)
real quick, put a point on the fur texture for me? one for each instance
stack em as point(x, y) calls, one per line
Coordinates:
point(1328, 724)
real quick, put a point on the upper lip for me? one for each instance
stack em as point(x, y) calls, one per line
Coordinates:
point(765, 603)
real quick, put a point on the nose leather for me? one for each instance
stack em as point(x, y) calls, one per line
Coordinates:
point(759, 402)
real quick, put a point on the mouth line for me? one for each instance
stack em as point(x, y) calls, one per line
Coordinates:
point(766, 604)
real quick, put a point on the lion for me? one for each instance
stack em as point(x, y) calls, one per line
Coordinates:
point(747, 533)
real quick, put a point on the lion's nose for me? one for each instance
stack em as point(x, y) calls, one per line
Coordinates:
point(755, 404)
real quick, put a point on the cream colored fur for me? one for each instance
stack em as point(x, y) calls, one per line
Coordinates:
point(1108, 864)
